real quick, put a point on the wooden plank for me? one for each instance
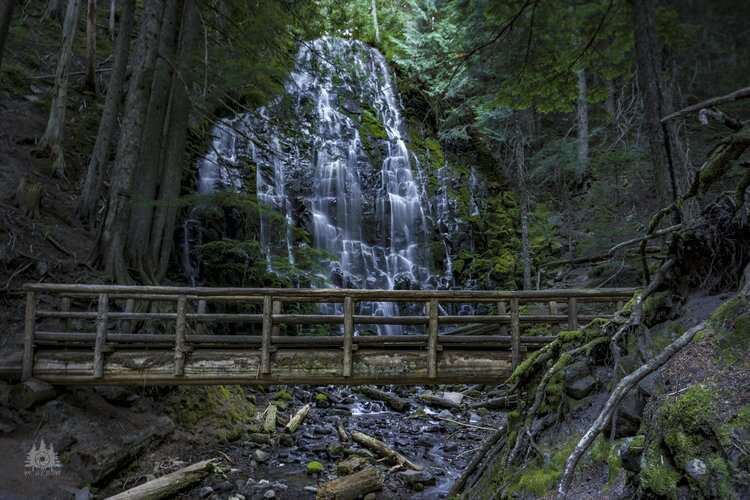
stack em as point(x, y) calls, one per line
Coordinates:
point(432, 338)
point(202, 306)
point(515, 332)
point(101, 335)
point(276, 310)
point(339, 293)
point(265, 365)
point(28, 336)
point(292, 366)
point(501, 311)
point(572, 313)
point(180, 346)
point(240, 341)
point(65, 307)
point(348, 335)
point(127, 326)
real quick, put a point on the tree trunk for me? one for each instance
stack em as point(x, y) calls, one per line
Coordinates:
point(148, 170)
point(375, 25)
point(54, 10)
point(112, 17)
point(99, 158)
point(582, 122)
point(521, 184)
point(6, 14)
point(53, 135)
point(91, 47)
point(610, 105)
point(165, 215)
point(650, 81)
point(114, 230)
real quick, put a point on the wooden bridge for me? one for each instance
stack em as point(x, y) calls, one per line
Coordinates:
point(102, 334)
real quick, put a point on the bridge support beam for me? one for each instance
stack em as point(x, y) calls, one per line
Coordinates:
point(290, 366)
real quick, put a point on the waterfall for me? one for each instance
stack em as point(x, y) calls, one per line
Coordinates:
point(359, 197)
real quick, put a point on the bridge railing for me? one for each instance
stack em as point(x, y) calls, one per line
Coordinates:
point(116, 307)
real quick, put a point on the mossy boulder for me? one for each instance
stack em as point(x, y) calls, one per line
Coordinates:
point(315, 467)
point(221, 412)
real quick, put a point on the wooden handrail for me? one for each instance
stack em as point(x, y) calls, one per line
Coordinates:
point(323, 294)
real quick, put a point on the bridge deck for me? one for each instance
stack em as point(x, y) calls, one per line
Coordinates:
point(70, 344)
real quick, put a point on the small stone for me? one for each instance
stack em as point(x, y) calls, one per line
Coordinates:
point(696, 468)
point(416, 479)
point(269, 494)
point(370, 496)
point(445, 414)
point(350, 465)
point(205, 491)
point(261, 456)
point(450, 447)
point(310, 489)
point(453, 397)
point(223, 486)
point(286, 440)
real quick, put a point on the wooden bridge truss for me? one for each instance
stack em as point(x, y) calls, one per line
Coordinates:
point(67, 341)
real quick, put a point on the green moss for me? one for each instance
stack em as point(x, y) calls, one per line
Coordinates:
point(283, 395)
point(435, 152)
point(657, 474)
point(735, 428)
point(314, 467)
point(223, 410)
point(321, 397)
point(371, 129)
point(539, 478)
point(731, 323)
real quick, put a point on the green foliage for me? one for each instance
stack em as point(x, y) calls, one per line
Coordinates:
point(222, 410)
point(541, 476)
point(731, 322)
point(657, 474)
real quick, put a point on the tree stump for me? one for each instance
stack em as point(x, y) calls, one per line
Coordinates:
point(29, 197)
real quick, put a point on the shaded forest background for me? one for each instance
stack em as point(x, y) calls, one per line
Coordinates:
point(556, 104)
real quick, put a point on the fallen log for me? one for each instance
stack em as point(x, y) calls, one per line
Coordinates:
point(501, 403)
point(432, 400)
point(298, 417)
point(269, 424)
point(352, 486)
point(168, 485)
point(383, 450)
point(343, 435)
point(388, 398)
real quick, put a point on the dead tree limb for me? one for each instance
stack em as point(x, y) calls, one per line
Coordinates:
point(168, 485)
point(737, 95)
point(622, 388)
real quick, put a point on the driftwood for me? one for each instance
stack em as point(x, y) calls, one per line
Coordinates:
point(168, 485)
point(501, 403)
point(352, 486)
point(343, 435)
point(298, 417)
point(484, 452)
point(269, 424)
point(743, 93)
point(388, 398)
point(438, 401)
point(384, 450)
point(619, 392)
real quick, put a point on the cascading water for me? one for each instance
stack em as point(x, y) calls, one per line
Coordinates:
point(357, 195)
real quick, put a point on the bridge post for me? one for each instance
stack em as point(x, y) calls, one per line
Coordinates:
point(265, 354)
point(553, 310)
point(432, 339)
point(28, 336)
point(179, 348)
point(348, 335)
point(501, 309)
point(126, 326)
point(276, 309)
point(65, 307)
point(515, 333)
point(572, 313)
point(102, 312)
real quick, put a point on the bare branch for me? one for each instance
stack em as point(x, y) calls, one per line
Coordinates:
point(743, 93)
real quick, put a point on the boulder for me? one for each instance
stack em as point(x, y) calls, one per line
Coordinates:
point(630, 452)
point(696, 468)
point(414, 479)
point(580, 388)
point(31, 393)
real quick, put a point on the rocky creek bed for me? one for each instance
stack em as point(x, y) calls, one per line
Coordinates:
point(113, 438)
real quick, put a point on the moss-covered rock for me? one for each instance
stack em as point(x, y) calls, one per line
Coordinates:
point(221, 411)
